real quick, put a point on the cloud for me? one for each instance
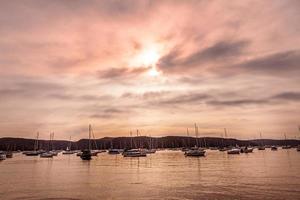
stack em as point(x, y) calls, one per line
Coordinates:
point(239, 102)
point(273, 64)
point(185, 99)
point(288, 96)
point(220, 51)
point(115, 73)
point(66, 63)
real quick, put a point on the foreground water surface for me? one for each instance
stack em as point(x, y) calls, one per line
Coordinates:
point(163, 175)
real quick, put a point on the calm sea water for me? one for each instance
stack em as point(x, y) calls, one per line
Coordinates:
point(164, 175)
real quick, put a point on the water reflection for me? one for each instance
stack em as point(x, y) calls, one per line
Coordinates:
point(163, 175)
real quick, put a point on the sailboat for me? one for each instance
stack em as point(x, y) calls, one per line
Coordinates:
point(68, 151)
point(96, 150)
point(86, 153)
point(274, 148)
point(298, 147)
point(262, 146)
point(286, 146)
point(8, 152)
point(53, 152)
point(223, 148)
point(196, 151)
point(47, 154)
point(234, 151)
point(134, 152)
point(35, 152)
point(150, 150)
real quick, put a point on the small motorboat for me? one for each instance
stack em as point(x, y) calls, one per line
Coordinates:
point(113, 151)
point(46, 155)
point(246, 150)
point(149, 151)
point(9, 154)
point(261, 148)
point(68, 151)
point(2, 156)
point(54, 153)
point(134, 153)
point(274, 148)
point(223, 149)
point(234, 151)
point(32, 153)
point(286, 147)
point(195, 152)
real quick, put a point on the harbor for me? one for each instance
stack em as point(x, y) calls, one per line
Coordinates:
point(166, 174)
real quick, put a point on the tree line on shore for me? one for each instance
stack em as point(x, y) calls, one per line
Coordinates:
point(22, 144)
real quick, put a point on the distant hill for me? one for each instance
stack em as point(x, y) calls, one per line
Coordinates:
point(23, 144)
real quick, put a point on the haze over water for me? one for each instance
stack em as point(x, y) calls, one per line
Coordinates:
point(164, 175)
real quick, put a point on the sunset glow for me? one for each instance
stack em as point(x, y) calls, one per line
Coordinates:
point(147, 57)
point(157, 66)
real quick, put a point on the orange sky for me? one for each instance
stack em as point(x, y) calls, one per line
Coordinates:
point(158, 66)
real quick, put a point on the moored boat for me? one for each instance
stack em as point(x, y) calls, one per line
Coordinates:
point(195, 153)
point(261, 148)
point(68, 151)
point(87, 153)
point(2, 156)
point(274, 148)
point(32, 153)
point(46, 155)
point(35, 152)
point(286, 147)
point(149, 151)
point(246, 150)
point(9, 154)
point(234, 151)
point(134, 153)
point(113, 151)
point(54, 153)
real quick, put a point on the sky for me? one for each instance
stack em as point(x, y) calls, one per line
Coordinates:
point(157, 66)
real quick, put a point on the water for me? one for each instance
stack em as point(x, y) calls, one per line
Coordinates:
point(164, 175)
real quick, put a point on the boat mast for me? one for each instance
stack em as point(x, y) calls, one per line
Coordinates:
point(70, 143)
point(196, 133)
point(131, 139)
point(52, 141)
point(49, 142)
point(262, 143)
point(90, 127)
point(285, 139)
point(137, 134)
point(188, 135)
point(94, 139)
point(37, 141)
point(225, 134)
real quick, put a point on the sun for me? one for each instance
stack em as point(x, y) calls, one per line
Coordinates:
point(148, 57)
